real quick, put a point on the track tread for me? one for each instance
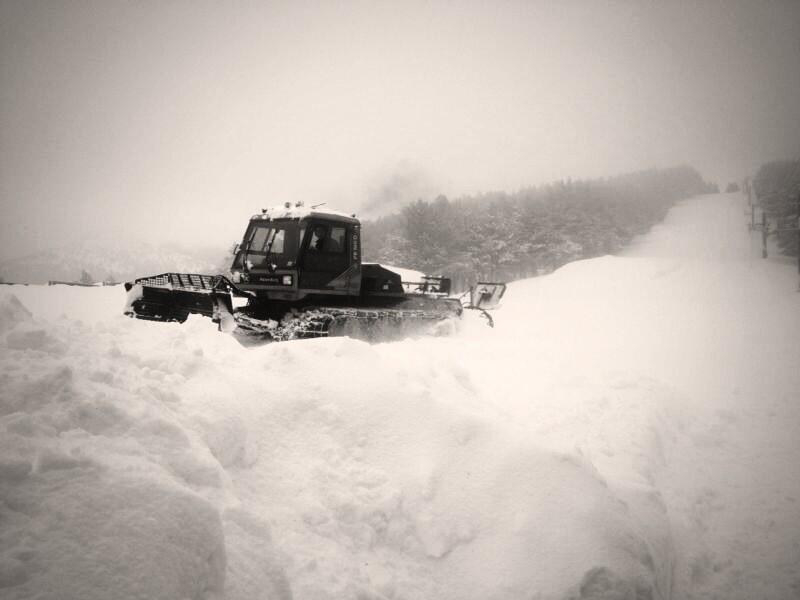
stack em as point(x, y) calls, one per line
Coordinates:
point(312, 322)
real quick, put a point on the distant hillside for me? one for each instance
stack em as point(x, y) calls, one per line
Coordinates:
point(532, 231)
point(104, 262)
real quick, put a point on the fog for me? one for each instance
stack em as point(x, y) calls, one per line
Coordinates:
point(175, 121)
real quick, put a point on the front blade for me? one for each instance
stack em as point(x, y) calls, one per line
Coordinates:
point(174, 296)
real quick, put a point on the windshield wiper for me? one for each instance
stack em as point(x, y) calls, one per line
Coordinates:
point(270, 266)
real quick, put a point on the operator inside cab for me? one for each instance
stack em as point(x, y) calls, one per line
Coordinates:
point(321, 241)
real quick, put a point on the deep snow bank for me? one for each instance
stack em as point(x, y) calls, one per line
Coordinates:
point(99, 485)
point(139, 457)
point(531, 460)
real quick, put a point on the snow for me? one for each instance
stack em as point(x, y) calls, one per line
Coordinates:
point(629, 429)
point(299, 211)
point(406, 275)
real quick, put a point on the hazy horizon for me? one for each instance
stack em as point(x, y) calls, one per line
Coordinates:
point(177, 121)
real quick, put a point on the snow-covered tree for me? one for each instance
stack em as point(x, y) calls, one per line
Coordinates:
point(498, 235)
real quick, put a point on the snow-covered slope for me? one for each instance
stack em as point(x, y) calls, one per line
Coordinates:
point(626, 431)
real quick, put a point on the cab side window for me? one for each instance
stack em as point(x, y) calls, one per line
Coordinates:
point(327, 240)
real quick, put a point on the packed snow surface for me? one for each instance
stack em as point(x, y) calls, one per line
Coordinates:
point(629, 429)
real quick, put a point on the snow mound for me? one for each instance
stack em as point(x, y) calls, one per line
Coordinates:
point(104, 492)
point(12, 311)
point(411, 484)
point(166, 460)
point(74, 529)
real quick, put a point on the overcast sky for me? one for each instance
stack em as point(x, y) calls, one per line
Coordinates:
point(163, 120)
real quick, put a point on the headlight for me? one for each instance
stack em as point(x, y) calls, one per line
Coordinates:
point(236, 277)
point(287, 280)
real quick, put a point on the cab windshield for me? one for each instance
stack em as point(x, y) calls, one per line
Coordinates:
point(268, 242)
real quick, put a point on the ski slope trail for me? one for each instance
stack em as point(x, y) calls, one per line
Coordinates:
point(732, 484)
point(629, 429)
point(693, 313)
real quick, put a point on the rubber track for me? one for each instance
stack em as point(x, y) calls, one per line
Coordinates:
point(329, 321)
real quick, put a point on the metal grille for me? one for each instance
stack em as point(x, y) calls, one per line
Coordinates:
point(185, 281)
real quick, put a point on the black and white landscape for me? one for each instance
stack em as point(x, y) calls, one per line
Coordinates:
point(629, 429)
